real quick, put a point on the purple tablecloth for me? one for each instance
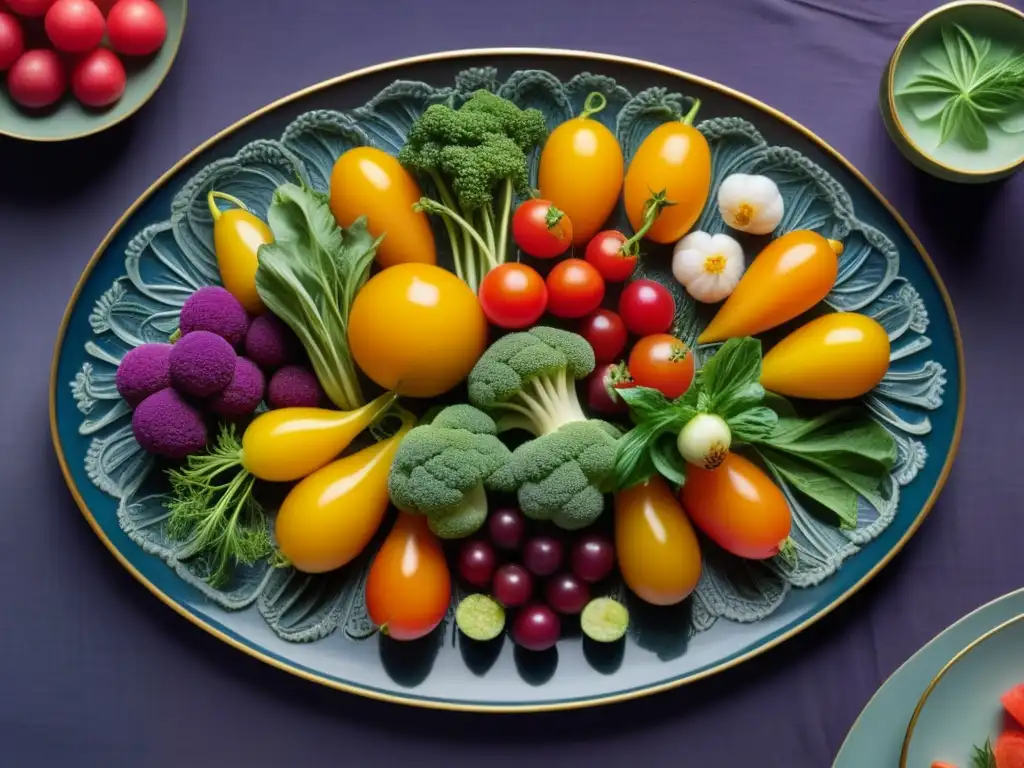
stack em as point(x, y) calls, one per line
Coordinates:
point(95, 672)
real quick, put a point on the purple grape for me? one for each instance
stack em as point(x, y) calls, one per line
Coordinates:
point(512, 585)
point(506, 528)
point(593, 557)
point(543, 555)
point(477, 563)
point(567, 593)
point(536, 628)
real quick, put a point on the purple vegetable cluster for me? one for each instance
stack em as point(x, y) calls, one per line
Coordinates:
point(175, 387)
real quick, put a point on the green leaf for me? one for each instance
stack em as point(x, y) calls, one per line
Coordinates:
point(644, 402)
point(931, 82)
point(843, 437)
point(633, 462)
point(820, 485)
point(730, 380)
point(753, 423)
point(983, 756)
point(949, 119)
point(972, 130)
point(667, 460)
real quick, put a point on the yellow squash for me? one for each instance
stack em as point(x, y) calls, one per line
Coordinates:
point(834, 357)
point(329, 517)
point(673, 164)
point(237, 236)
point(289, 443)
point(367, 181)
point(790, 275)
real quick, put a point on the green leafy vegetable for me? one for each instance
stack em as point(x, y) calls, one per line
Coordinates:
point(976, 85)
point(983, 756)
point(655, 416)
point(309, 277)
point(731, 379)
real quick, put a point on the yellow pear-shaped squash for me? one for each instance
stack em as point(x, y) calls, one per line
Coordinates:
point(289, 443)
point(834, 357)
point(237, 236)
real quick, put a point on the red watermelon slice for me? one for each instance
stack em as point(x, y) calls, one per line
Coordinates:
point(1009, 750)
point(1013, 703)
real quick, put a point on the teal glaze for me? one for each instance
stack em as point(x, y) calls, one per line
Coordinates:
point(154, 262)
point(963, 708)
point(68, 119)
point(876, 737)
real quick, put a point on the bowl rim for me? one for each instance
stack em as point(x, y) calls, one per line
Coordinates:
point(176, 45)
point(960, 656)
point(582, 56)
point(891, 89)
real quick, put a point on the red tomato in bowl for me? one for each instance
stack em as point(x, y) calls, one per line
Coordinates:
point(513, 295)
point(37, 79)
point(74, 26)
point(541, 230)
point(662, 362)
point(98, 79)
point(575, 289)
point(606, 334)
point(12, 40)
point(604, 251)
point(30, 7)
point(136, 27)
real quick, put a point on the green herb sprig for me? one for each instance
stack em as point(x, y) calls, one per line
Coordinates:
point(983, 757)
point(979, 88)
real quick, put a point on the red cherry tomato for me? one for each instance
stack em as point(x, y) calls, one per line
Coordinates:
point(601, 386)
point(513, 295)
point(647, 307)
point(30, 7)
point(136, 27)
point(606, 333)
point(12, 41)
point(98, 80)
point(37, 79)
point(604, 251)
point(662, 362)
point(541, 230)
point(74, 26)
point(574, 288)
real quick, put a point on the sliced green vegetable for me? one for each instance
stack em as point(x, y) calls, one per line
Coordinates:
point(604, 620)
point(480, 617)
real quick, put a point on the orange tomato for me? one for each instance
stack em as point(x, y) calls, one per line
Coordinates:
point(833, 357)
point(366, 181)
point(409, 588)
point(674, 158)
point(581, 171)
point(738, 507)
point(792, 274)
point(416, 329)
point(656, 547)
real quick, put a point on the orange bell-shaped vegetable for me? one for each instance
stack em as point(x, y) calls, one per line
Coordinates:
point(834, 357)
point(788, 277)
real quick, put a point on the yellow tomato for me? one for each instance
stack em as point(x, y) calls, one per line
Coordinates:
point(675, 159)
point(792, 274)
point(738, 507)
point(834, 357)
point(369, 182)
point(328, 519)
point(416, 329)
point(581, 171)
point(237, 236)
point(289, 443)
point(657, 550)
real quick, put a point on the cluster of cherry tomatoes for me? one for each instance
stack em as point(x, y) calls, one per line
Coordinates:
point(514, 295)
point(38, 76)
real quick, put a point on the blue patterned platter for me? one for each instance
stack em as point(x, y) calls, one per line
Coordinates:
point(161, 251)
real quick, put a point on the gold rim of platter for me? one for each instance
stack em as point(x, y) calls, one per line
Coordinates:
point(525, 707)
point(941, 674)
point(107, 126)
point(891, 94)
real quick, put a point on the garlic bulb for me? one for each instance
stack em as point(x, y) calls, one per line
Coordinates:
point(750, 203)
point(708, 266)
point(705, 440)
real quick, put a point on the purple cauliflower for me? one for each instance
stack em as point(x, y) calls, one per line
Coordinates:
point(144, 370)
point(165, 425)
point(213, 309)
point(270, 343)
point(240, 398)
point(294, 386)
point(202, 364)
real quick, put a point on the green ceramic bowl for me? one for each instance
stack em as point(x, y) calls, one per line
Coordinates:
point(907, 119)
point(70, 120)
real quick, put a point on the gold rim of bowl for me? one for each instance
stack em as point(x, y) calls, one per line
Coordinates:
point(583, 56)
point(960, 655)
point(176, 45)
point(891, 90)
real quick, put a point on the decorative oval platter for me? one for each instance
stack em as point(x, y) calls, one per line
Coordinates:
point(317, 626)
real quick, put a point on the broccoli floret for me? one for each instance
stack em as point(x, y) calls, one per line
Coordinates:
point(441, 468)
point(528, 380)
point(476, 157)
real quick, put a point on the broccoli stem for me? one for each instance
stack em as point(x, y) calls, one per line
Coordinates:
point(501, 251)
point(471, 259)
point(544, 405)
